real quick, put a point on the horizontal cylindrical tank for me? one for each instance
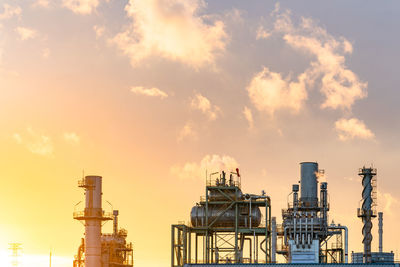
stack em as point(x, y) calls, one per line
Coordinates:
point(227, 219)
point(308, 183)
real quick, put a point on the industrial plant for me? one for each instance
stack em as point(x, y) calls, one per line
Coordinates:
point(229, 226)
point(99, 249)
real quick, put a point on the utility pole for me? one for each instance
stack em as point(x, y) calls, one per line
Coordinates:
point(15, 248)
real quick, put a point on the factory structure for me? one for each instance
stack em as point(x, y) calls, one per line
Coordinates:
point(228, 226)
point(98, 249)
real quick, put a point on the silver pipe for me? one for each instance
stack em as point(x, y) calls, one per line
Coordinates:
point(306, 232)
point(380, 214)
point(250, 212)
point(346, 240)
point(294, 227)
point(273, 256)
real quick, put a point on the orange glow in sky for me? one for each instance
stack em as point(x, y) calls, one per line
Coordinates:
point(149, 94)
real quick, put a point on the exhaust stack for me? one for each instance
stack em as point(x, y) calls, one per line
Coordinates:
point(93, 215)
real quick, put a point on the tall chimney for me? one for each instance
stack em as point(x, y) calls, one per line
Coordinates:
point(366, 212)
point(93, 215)
point(115, 224)
point(380, 218)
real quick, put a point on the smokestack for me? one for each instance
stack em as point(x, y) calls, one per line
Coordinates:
point(366, 213)
point(380, 218)
point(93, 215)
point(324, 202)
point(308, 183)
point(93, 212)
point(295, 190)
point(115, 225)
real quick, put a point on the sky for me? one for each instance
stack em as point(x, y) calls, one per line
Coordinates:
point(151, 94)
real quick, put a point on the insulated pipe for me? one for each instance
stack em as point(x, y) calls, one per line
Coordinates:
point(273, 257)
point(346, 240)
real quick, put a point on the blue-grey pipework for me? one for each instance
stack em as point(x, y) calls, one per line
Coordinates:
point(366, 212)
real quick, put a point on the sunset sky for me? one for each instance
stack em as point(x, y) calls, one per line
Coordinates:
point(150, 94)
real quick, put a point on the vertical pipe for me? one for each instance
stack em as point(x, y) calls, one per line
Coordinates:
point(172, 245)
point(115, 222)
point(324, 203)
point(236, 229)
point(295, 189)
point(346, 244)
point(184, 252)
point(196, 248)
point(273, 258)
point(380, 217)
point(190, 247)
point(250, 213)
point(266, 230)
point(205, 245)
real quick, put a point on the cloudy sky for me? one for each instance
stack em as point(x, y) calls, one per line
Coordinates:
point(152, 93)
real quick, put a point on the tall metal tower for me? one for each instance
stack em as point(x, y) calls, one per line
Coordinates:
point(15, 248)
point(366, 212)
point(93, 216)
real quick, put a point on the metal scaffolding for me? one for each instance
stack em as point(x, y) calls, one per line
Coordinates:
point(226, 227)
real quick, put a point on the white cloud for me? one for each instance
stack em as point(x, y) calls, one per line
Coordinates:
point(389, 202)
point(340, 86)
point(209, 164)
point(17, 137)
point(42, 3)
point(46, 53)
point(202, 103)
point(10, 11)
point(83, 7)
point(249, 117)
point(71, 138)
point(171, 29)
point(36, 143)
point(99, 30)
point(262, 33)
point(187, 131)
point(26, 33)
point(154, 92)
point(269, 92)
point(353, 128)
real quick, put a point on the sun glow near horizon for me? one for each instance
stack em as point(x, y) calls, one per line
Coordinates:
point(36, 260)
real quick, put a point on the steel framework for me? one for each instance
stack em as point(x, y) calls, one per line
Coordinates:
point(216, 241)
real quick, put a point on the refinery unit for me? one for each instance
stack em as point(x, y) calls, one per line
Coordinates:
point(99, 249)
point(230, 227)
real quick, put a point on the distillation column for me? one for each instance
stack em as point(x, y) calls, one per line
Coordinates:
point(92, 217)
point(366, 213)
